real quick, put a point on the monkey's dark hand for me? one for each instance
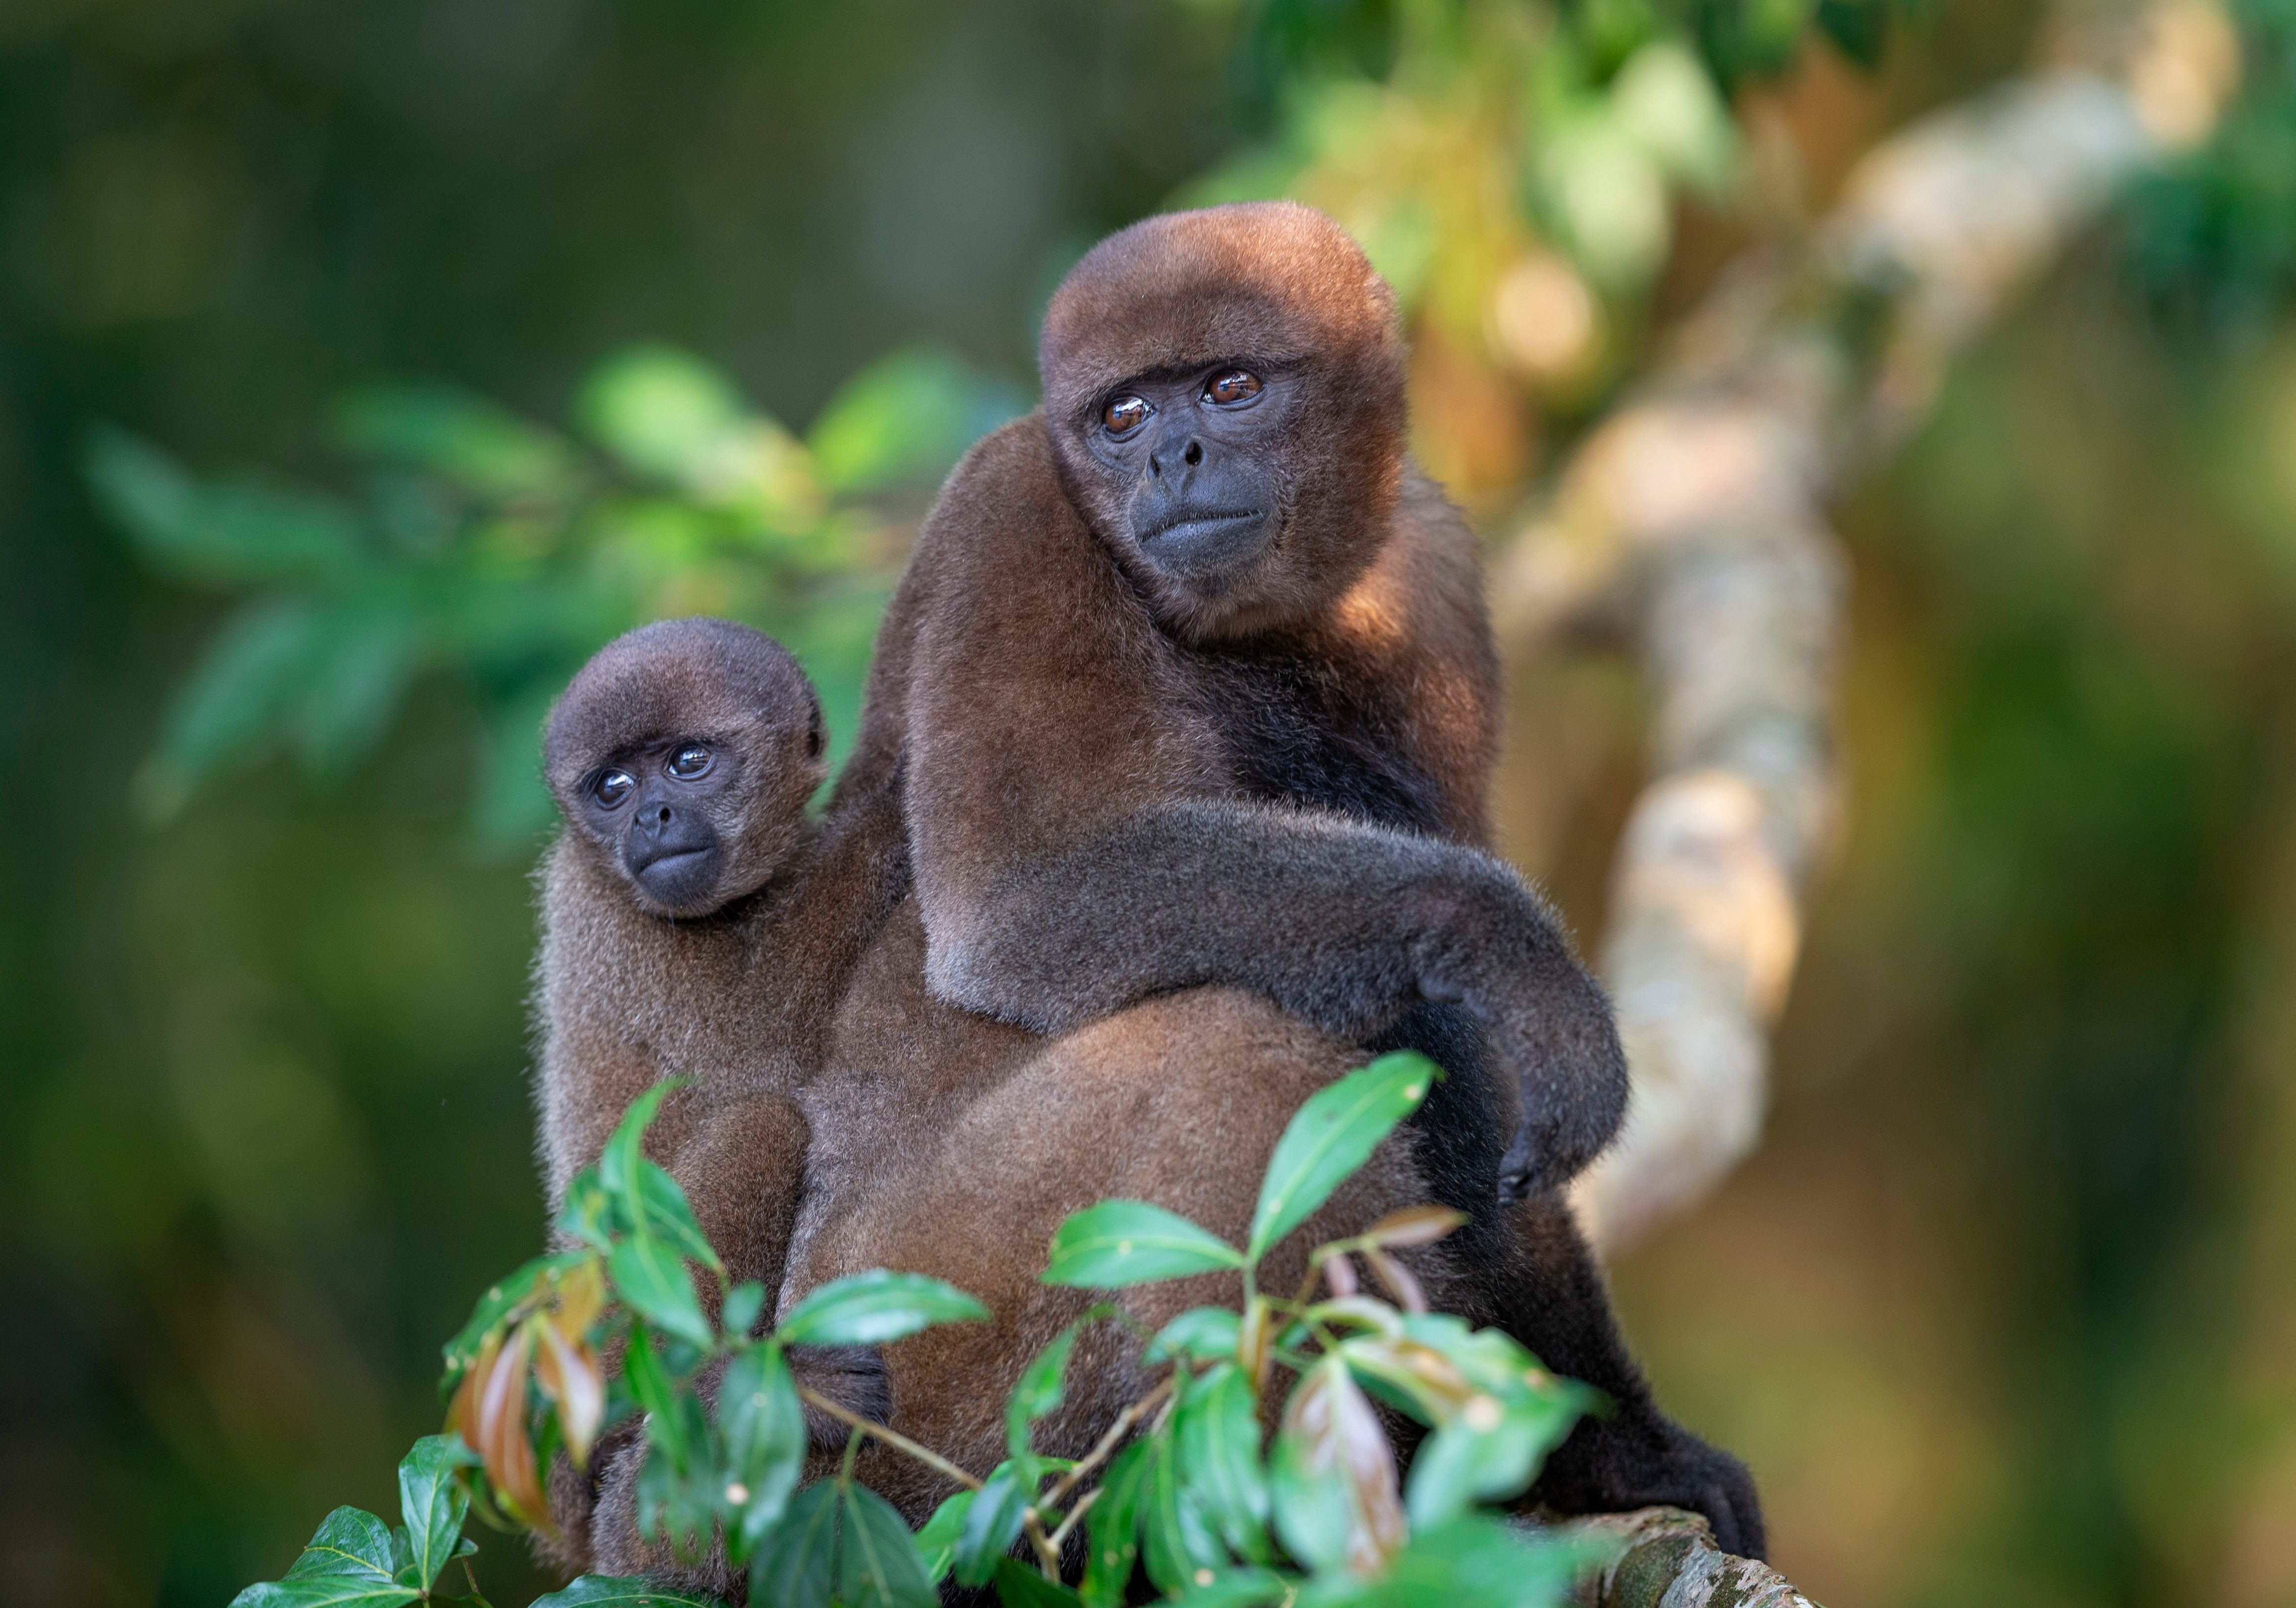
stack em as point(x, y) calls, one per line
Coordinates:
point(1598, 1469)
point(1491, 945)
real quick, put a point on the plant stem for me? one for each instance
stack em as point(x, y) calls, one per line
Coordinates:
point(1068, 1523)
point(1109, 1442)
point(1048, 1556)
point(852, 1450)
point(898, 1442)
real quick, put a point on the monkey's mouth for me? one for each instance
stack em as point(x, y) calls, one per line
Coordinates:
point(1192, 528)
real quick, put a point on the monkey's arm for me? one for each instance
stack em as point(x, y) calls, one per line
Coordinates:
point(1345, 924)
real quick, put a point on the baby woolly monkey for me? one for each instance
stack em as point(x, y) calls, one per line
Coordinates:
point(682, 757)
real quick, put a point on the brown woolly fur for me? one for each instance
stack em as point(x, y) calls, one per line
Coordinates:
point(1274, 287)
point(736, 995)
point(1128, 775)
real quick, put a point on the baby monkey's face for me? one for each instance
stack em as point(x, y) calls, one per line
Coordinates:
point(665, 809)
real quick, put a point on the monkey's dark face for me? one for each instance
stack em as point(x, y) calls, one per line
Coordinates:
point(660, 807)
point(683, 757)
point(1189, 459)
point(1224, 391)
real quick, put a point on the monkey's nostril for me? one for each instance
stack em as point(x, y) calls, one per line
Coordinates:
point(1194, 455)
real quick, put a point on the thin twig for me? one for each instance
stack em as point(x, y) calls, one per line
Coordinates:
point(1048, 1556)
point(1109, 1442)
point(1083, 1507)
point(898, 1441)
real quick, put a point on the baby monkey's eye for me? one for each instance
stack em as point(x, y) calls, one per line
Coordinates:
point(1124, 415)
point(1236, 385)
point(613, 787)
point(690, 761)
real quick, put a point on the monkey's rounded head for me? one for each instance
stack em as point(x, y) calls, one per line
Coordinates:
point(1225, 392)
point(684, 754)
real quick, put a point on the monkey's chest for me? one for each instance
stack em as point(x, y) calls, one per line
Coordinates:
point(1305, 733)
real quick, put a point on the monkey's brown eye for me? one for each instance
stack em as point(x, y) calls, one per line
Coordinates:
point(1124, 415)
point(690, 761)
point(613, 787)
point(1236, 385)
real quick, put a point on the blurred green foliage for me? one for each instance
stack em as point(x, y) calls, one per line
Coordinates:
point(486, 544)
point(2002, 1312)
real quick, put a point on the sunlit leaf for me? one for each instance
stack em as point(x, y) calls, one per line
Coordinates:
point(906, 416)
point(1238, 1589)
point(870, 1308)
point(992, 1523)
point(877, 1561)
point(1121, 1243)
point(1207, 1332)
point(433, 1502)
point(609, 1591)
point(1415, 1225)
point(658, 409)
point(1334, 1134)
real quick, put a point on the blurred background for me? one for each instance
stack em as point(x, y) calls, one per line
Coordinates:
point(364, 365)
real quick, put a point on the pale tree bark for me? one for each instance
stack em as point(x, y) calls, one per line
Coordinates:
point(1661, 1557)
point(1694, 517)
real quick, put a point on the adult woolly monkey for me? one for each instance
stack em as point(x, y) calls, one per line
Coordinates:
point(1191, 683)
point(695, 922)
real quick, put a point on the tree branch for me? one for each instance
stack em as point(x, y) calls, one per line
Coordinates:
point(1693, 516)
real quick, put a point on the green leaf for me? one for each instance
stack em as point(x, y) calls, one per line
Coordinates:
point(796, 1565)
point(1181, 1550)
point(869, 1308)
point(364, 659)
point(619, 1161)
point(346, 1564)
point(1333, 1476)
point(612, 1591)
point(1208, 1333)
point(877, 1561)
point(667, 1212)
point(1238, 1589)
point(1121, 1243)
point(1112, 1527)
point(652, 1281)
point(1481, 1562)
point(223, 534)
point(739, 1314)
point(1018, 1586)
point(236, 701)
point(1039, 1392)
point(906, 416)
point(1216, 1431)
point(1334, 1134)
point(762, 1422)
point(991, 1525)
point(433, 1502)
point(937, 1541)
point(469, 442)
point(513, 808)
point(498, 1302)
point(659, 410)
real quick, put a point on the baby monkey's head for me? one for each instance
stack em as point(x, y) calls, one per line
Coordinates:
point(684, 754)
